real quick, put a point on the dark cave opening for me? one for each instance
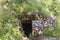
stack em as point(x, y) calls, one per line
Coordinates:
point(27, 27)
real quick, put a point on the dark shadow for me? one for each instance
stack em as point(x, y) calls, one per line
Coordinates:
point(27, 27)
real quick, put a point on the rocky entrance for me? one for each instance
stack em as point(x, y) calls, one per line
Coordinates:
point(36, 24)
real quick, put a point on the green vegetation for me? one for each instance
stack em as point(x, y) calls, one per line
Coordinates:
point(10, 9)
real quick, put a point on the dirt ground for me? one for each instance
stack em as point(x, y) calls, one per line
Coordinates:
point(46, 38)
